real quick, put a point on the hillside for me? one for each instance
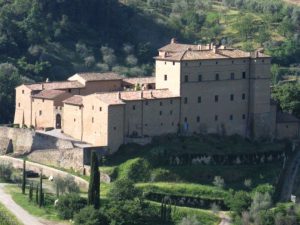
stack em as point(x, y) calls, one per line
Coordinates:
point(54, 39)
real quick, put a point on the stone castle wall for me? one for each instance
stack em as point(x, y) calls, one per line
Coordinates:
point(26, 140)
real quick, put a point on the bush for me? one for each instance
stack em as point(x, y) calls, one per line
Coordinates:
point(5, 171)
point(70, 204)
point(238, 202)
point(163, 175)
point(264, 188)
point(123, 189)
point(189, 220)
point(136, 170)
point(219, 182)
point(65, 185)
point(90, 216)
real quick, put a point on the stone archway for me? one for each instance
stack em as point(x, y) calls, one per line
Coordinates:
point(58, 121)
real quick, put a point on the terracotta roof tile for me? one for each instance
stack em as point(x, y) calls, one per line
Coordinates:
point(99, 76)
point(54, 85)
point(110, 98)
point(49, 94)
point(147, 94)
point(140, 80)
point(74, 100)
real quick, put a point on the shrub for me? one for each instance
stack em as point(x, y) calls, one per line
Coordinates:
point(70, 204)
point(90, 216)
point(65, 185)
point(189, 220)
point(5, 171)
point(219, 182)
point(136, 170)
point(238, 202)
point(123, 189)
point(264, 188)
point(163, 175)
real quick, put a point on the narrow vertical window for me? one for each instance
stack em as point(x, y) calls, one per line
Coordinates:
point(199, 77)
point(198, 119)
point(216, 117)
point(185, 100)
point(243, 96)
point(186, 78)
point(217, 77)
point(216, 98)
point(133, 107)
point(244, 75)
point(199, 99)
point(244, 116)
point(231, 117)
point(166, 77)
point(231, 97)
point(232, 76)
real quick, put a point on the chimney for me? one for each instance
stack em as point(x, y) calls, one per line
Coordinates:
point(173, 41)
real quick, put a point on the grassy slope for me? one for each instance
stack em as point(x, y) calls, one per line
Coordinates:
point(9, 219)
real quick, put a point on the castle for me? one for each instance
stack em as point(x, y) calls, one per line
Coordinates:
point(196, 89)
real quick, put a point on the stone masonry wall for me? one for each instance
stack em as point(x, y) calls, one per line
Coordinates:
point(26, 140)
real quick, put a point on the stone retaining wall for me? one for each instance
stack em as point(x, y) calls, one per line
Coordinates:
point(47, 171)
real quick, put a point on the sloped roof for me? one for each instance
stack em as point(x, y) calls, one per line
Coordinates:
point(49, 94)
point(99, 76)
point(74, 100)
point(140, 80)
point(110, 98)
point(147, 94)
point(284, 117)
point(54, 85)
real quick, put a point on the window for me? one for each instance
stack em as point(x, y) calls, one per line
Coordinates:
point(231, 97)
point(217, 76)
point(146, 102)
point(217, 62)
point(243, 96)
point(200, 78)
point(160, 113)
point(199, 99)
point(100, 109)
point(92, 119)
point(40, 112)
point(244, 116)
point(146, 124)
point(115, 128)
point(186, 64)
point(231, 117)
point(161, 124)
point(166, 77)
point(200, 63)
point(216, 98)
point(69, 90)
point(171, 101)
point(74, 120)
point(198, 119)
point(23, 91)
point(160, 103)
point(185, 100)
point(244, 75)
point(171, 112)
point(287, 126)
point(186, 78)
point(165, 63)
point(19, 104)
point(133, 107)
point(93, 107)
point(263, 60)
point(232, 76)
point(244, 61)
point(216, 117)
point(232, 62)
point(173, 63)
point(43, 100)
point(185, 119)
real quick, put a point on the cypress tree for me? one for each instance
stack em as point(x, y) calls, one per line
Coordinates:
point(24, 177)
point(37, 194)
point(41, 190)
point(94, 185)
point(30, 192)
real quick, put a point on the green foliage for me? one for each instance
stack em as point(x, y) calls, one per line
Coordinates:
point(90, 216)
point(288, 96)
point(136, 170)
point(70, 204)
point(94, 185)
point(65, 184)
point(30, 195)
point(190, 220)
point(123, 189)
point(238, 202)
point(6, 171)
point(40, 192)
point(24, 177)
point(7, 218)
point(264, 188)
point(160, 175)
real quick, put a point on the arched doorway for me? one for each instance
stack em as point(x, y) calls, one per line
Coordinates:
point(58, 121)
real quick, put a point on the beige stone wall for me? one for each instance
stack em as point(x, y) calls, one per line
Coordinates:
point(101, 86)
point(115, 127)
point(72, 120)
point(172, 70)
point(288, 130)
point(23, 106)
point(43, 113)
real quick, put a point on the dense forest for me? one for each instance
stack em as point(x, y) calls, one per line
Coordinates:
point(53, 39)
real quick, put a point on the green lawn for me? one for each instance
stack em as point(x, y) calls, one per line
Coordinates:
point(7, 218)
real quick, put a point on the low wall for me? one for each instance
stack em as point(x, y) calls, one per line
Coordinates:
point(64, 158)
point(47, 171)
point(26, 140)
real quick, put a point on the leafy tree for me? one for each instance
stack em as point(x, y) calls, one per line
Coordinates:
point(70, 204)
point(245, 27)
point(65, 184)
point(108, 56)
point(275, 72)
point(189, 220)
point(238, 202)
point(90, 216)
point(123, 189)
point(219, 182)
point(40, 192)
point(94, 185)
point(24, 177)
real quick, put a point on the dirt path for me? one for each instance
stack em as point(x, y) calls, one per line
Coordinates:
point(226, 220)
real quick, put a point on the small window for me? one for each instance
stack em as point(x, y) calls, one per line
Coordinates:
point(69, 90)
point(217, 77)
point(186, 64)
point(19, 104)
point(287, 126)
point(217, 62)
point(185, 100)
point(43, 100)
point(160, 103)
point(93, 107)
point(171, 112)
point(161, 124)
point(231, 97)
point(232, 62)
point(200, 78)
point(263, 61)
point(244, 116)
point(173, 63)
point(166, 77)
point(100, 109)
point(23, 91)
point(186, 78)
point(198, 119)
point(232, 76)
point(199, 99)
point(243, 96)
point(115, 128)
point(146, 102)
point(133, 107)
point(40, 112)
point(231, 117)
point(165, 63)
point(171, 101)
point(185, 119)
point(216, 98)
point(200, 63)
point(92, 119)
point(74, 120)
point(216, 117)
point(160, 113)
point(146, 125)
point(244, 61)
point(244, 75)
